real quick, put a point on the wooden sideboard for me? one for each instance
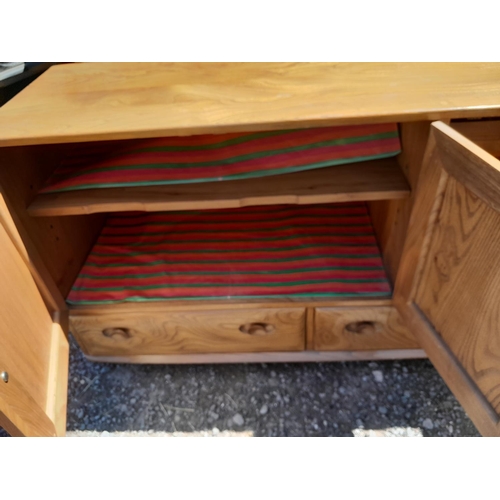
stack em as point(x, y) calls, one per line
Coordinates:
point(434, 210)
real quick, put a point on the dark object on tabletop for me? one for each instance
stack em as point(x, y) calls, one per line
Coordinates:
point(9, 87)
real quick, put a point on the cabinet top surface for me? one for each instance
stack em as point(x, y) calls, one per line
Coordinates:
point(103, 101)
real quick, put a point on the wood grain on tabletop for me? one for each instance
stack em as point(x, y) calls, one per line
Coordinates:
point(372, 180)
point(99, 101)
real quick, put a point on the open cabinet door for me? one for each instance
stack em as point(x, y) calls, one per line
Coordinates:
point(33, 345)
point(448, 286)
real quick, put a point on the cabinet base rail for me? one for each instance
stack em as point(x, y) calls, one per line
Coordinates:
point(264, 357)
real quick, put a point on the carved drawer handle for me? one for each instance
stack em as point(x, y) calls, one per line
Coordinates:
point(121, 332)
point(363, 327)
point(257, 329)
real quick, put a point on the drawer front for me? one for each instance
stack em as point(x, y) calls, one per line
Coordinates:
point(367, 328)
point(190, 332)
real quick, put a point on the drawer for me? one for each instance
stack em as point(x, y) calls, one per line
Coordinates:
point(366, 328)
point(187, 332)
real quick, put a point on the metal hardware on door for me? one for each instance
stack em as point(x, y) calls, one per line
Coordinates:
point(4, 376)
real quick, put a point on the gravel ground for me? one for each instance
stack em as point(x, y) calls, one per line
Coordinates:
point(390, 398)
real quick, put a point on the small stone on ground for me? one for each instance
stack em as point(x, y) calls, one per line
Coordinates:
point(238, 419)
point(427, 424)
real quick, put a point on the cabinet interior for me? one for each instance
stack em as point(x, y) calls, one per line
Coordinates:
point(65, 226)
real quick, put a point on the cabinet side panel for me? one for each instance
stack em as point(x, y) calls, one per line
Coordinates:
point(390, 218)
point(62, 242)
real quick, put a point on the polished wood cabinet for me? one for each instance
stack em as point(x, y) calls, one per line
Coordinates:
point(434, 210)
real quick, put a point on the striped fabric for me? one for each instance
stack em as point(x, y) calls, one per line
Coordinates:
point(256, 252)
point(206, 158)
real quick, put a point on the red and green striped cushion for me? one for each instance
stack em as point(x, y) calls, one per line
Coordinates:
point(256, 252)
point(206, 158)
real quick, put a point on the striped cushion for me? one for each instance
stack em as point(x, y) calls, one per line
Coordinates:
point(256, 252)
point(205, 158)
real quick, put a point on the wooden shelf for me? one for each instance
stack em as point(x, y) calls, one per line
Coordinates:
point(371, 180)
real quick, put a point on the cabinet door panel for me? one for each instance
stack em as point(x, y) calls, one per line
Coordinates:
point(33, 349)
point(449, 288)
